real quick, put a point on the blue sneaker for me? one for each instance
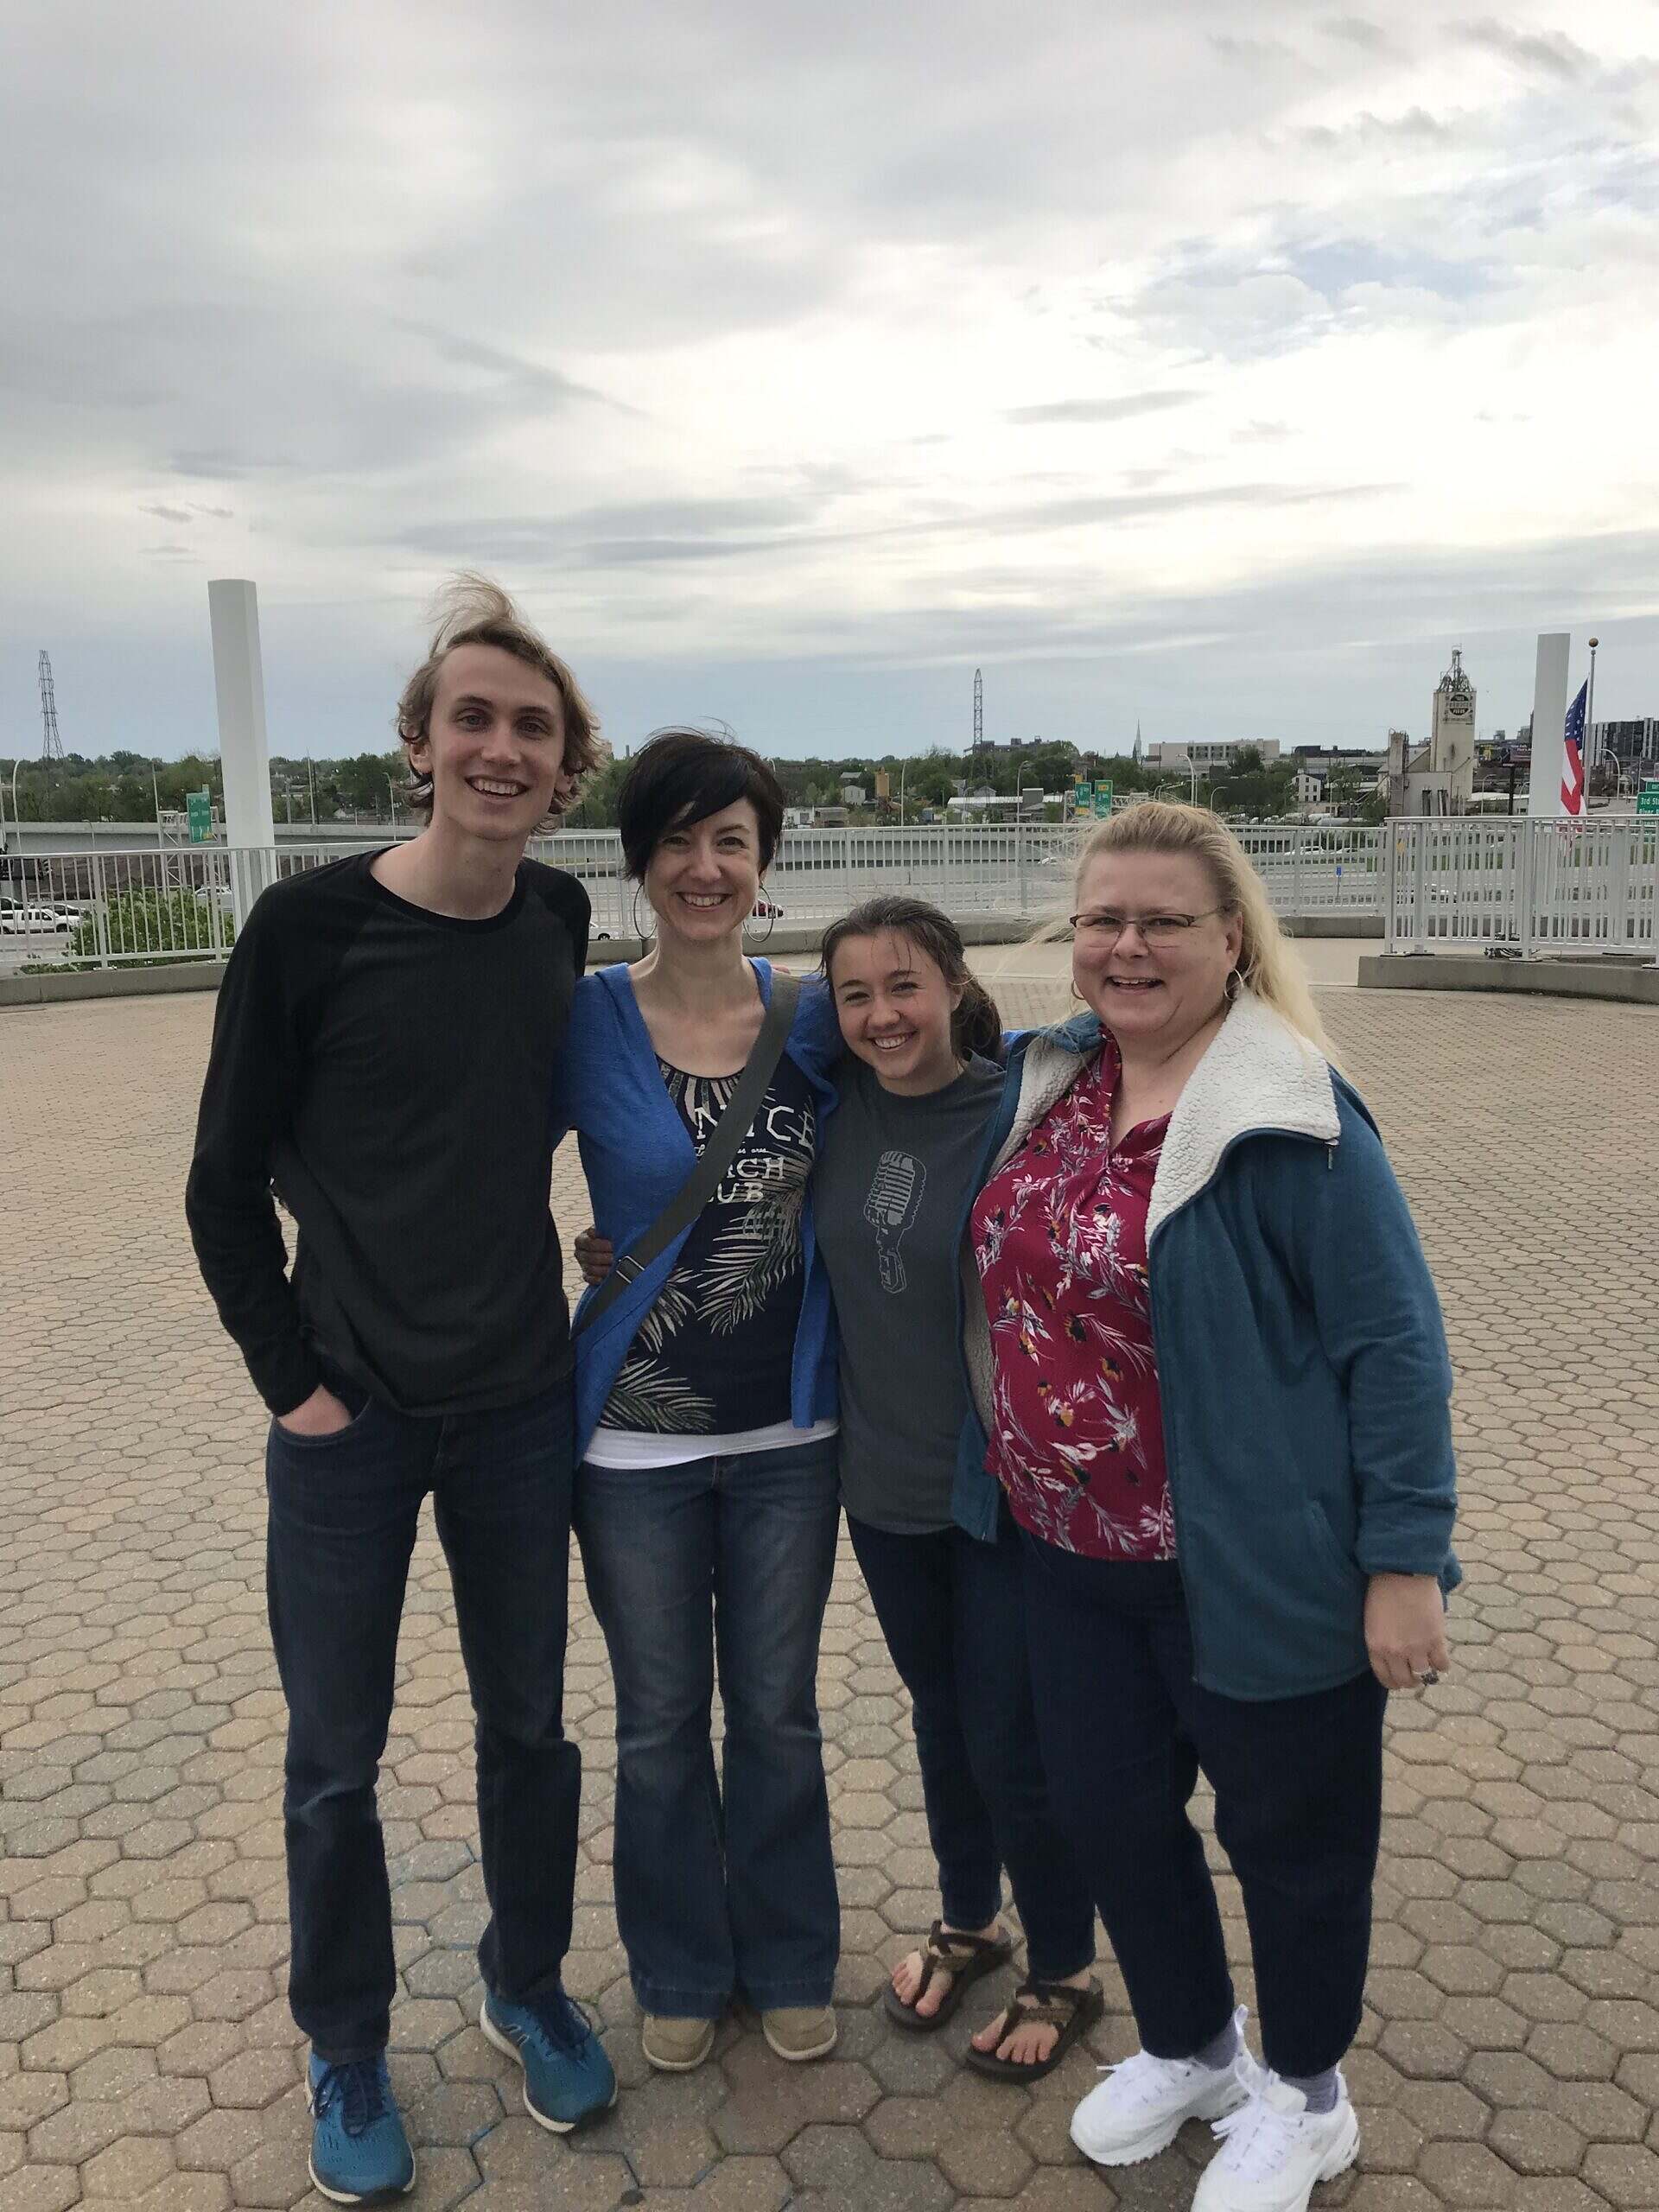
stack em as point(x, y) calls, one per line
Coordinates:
point(359, 2149)
point(567, 2077)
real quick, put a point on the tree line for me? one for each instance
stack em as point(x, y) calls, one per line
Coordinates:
point(129, 787)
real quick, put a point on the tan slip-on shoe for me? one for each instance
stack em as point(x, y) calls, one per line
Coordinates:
point(675, 2046)
point(798, 2032)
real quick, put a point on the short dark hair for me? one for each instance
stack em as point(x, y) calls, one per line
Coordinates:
point(683, 776)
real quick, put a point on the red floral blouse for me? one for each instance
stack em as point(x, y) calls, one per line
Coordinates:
point(1060, 1238)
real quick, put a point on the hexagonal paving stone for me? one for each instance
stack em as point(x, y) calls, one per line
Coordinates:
point(1510, 2054)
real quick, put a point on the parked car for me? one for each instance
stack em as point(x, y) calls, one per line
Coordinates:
point(36, 921)
point(765, 910)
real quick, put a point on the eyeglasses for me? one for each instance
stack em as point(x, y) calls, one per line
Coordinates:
point(1155, 929)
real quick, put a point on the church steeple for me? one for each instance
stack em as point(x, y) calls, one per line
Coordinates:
point(1136, 755)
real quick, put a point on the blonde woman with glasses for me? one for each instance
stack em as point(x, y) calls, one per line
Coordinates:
point(1210, 1367)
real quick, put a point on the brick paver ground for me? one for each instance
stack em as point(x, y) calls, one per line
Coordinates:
point(1510, 2055)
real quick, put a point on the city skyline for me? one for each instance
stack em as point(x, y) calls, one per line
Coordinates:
point(1219, 372)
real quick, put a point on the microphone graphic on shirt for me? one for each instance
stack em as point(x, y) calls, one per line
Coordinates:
point(894, 1201)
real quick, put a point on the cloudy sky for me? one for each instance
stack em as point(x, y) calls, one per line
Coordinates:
point(1216, 365)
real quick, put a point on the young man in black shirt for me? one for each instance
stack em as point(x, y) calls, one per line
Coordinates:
point(382, 1058)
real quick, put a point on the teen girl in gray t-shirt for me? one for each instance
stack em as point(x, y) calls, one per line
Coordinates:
point(900, 1164)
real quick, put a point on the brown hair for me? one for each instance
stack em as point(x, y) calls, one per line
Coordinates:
point(976, 1026)
point(471, 610)
point(1267, 965)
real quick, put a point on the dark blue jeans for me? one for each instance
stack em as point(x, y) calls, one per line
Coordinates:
point(1298, 1804)
point(342, 1523)
point(725, 1884)
point(952, 1610)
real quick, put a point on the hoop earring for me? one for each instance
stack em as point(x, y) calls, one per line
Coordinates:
point(772, 923)
point(639, 930)
point(1232, 986)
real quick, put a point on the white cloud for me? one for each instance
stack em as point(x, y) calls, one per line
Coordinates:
point(749, 343)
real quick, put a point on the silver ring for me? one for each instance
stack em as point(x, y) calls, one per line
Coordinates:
point(1426, 1677)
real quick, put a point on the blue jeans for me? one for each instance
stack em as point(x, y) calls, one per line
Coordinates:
point(343, 1511)
point(1298, 1781)
point(952, 1610)
point(722, 1886)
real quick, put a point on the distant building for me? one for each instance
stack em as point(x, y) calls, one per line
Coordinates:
point(1356, 768)
point(1438, 777)
point(1630, 743)
point(1331, 776)
point(1210, 756)
point(986, 803)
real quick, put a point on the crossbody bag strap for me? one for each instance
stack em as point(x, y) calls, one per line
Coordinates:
point(716, 1156)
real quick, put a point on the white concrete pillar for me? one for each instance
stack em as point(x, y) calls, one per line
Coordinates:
point(1548, 725)
point(240, 683)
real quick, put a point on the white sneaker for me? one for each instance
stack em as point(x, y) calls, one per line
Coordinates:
point(1142, 2105)
point(1274, 2150)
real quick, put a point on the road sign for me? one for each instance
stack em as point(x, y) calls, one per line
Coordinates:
point(1103, 800)
point(200, 808)
point(1083, 798)
point(1647, 799)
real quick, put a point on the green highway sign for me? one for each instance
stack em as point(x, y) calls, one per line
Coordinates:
point(199, 812)
point(1083, 798)
point(1647, 799)
point(1103, 800)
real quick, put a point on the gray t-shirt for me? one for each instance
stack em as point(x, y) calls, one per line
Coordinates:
point(893, 1181)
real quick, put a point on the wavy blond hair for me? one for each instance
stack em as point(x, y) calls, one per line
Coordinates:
point(1267, 965)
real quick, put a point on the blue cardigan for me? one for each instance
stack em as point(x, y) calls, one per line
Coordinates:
point(1301, 1359)
point(636, 1155)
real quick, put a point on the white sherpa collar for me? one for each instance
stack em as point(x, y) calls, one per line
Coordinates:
point(1259, 1074)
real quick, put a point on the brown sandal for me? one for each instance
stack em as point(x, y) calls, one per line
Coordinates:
point(966, 1959)
point(1048, 2003)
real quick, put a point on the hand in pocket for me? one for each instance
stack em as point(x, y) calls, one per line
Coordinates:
point(321, 1414)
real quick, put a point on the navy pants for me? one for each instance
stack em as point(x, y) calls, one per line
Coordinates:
point(343, 1512)
point(1298, 1781)
point(723, 1883)
point(952, 1610)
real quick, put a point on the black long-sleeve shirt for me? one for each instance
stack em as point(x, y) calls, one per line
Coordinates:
point(387, 1070)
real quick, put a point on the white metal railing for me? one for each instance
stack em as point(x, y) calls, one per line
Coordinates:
point(142, 907)
point(1439, 885)
point(1529, 887)
point(102, 909)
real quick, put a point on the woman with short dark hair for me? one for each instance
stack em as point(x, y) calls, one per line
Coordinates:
point(706, 1499)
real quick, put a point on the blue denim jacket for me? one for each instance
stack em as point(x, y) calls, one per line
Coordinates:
point(1301, 1359)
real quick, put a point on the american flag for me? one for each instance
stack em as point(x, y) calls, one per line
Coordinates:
point(1573, 755)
